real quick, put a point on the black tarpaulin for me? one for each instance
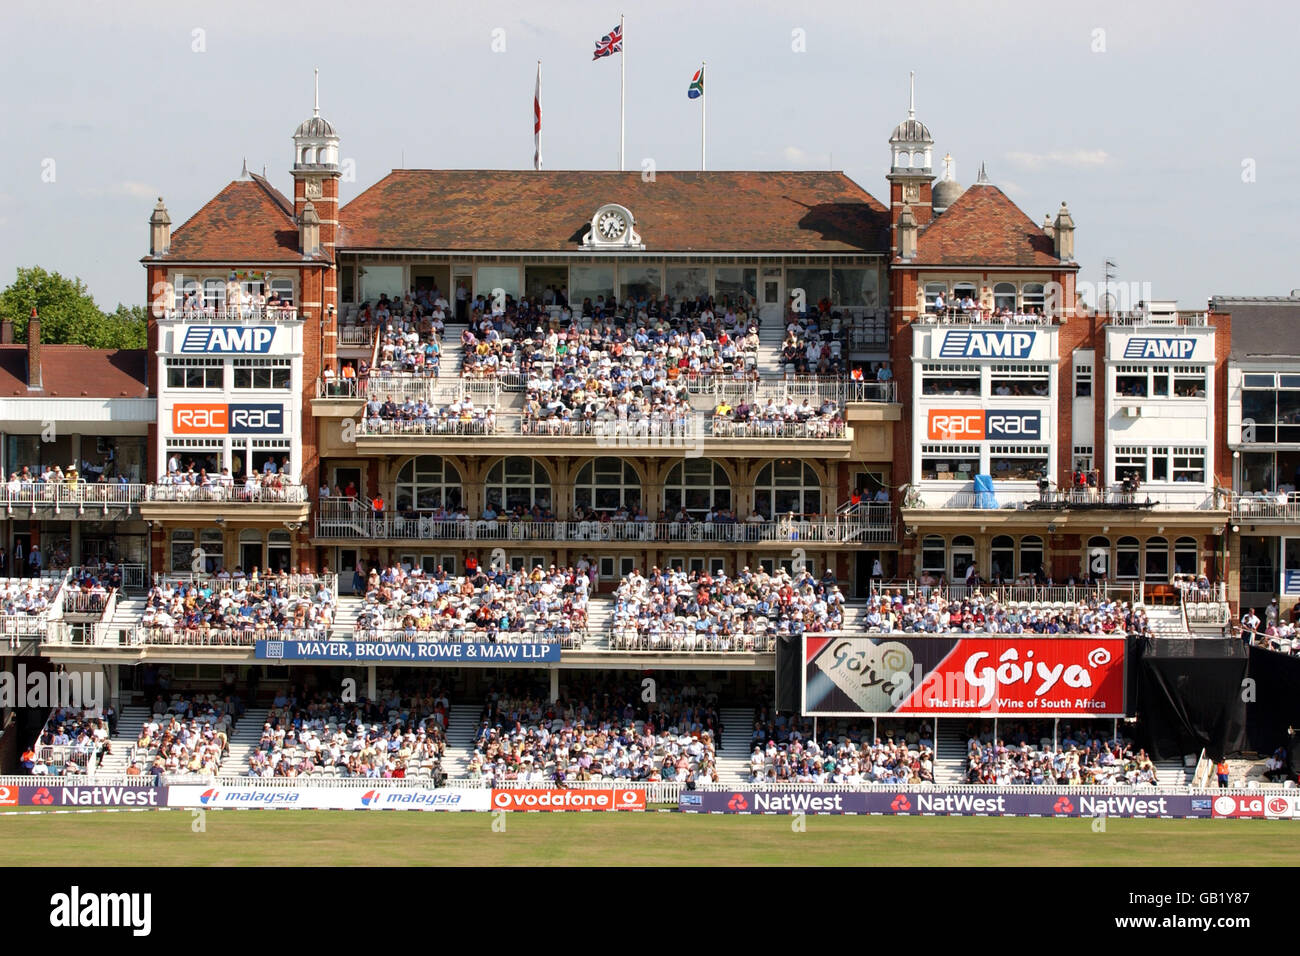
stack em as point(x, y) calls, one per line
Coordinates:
point(789, 673)
point(1190, 696)
point(1276, 704)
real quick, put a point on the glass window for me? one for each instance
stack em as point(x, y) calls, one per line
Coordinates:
point(1126, 558)
point(1157, 564)
point(949, 462)
point(1288, 416)
point(1002, 558)
point(735, 286)
point(212, 544)
point(607, 484)
point(214, 294)
point(590, 282)
point(1018, 462)
point(427, 483)
point(517, 482)
point(1031, 554)
point(696, 485)
point(182, 550)
point(1016, 381)
point(1189, 464)
point(380, 280)
point(950, 380)
point(505, 278)
point(639, 283)
point(195, 373)
point(963, 556)
point(1185, 556)
point(1132, 382)
point(1130, 461)
point(1004, 296)
point(1257, 473)
point(687, 282)
point(262, 373)
point(815, 282)
point(284, 289)
point(1083, 381)
point(1031, 297)
point(855, 287)
point(787, 486)
point(933, 554)
point(1189, 383)
point(932, 292)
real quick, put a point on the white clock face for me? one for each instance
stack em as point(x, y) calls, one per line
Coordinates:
point(611, 225)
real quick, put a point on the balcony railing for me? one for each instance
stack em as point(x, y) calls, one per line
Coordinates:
point(1029, 498)
point(356, 335)
point(61, 494)
point(236, 493)
point(286, 313)
point(628, 434)
point(984, 317)
point(874, 524)
point(1185, 319)
point(1280, 506)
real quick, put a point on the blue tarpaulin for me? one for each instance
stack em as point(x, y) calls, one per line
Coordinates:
point(984, 492)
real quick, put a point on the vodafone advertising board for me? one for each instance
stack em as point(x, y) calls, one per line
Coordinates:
point(1069, 676)
point(568, 800)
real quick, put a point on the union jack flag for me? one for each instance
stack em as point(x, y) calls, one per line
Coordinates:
point(610, 43)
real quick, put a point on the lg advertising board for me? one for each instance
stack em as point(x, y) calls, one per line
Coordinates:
point(941, 676)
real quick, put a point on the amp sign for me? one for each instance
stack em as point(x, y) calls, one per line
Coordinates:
point(973, 344)
point(227, 340)
point(1161, 348)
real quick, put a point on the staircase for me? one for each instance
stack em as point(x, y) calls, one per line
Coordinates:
point(600, 615)
point(855, 616)
point(462, 723)
point(129, 723)
point(733, 757)
point(243, 741)
point(1172, 773)
point(950, 753)
point(126, 617)
point(1166, 621)
point(770, 336)
point(347, 609)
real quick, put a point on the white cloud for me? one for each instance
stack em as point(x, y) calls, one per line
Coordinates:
point(134, 190)
point(1010, 188)
point(795, 155)
point(1074, 158)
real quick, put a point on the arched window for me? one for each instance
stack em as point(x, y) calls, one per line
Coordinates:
point(1004, 296)
point(787, 485)
point(1002, 558)
point(427, 483)
point(1157, 561)
point(697, 484)
point(210, 540)
point(607, 484)
point(963, 555)
point(1031, 297)
point(933, 555)
point(1126, 558)
point(1098, 557)
point(279, 548)
point(1185, 556)
point(182, 546)
point(517, 482)
point(1031, 554)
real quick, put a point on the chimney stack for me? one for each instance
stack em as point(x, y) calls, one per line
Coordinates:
point(7, 332)
point(34, 351)
point(1064, 234)
point(160, 230)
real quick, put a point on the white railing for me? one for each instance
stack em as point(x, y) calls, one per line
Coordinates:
point(629, 639)
point(235, 492)
point(875, 526)
point(299, 585)
point(232, 314)
point(956, 316)
point(1186, 319)
point(75, 602)
point(448, 428)
point(57, 494)
point(356, 335)
point(1024, 494)
point(1022, 594)
point(570, 637)
point(1267, 506)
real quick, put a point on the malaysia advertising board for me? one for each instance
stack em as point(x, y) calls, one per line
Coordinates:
point(309, 797)
point(1048, 803)
point(920, 675)
point(220, 418)
point(979, 424)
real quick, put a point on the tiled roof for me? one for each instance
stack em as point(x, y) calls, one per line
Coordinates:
point(248, 221)
point(550, 211)
point(76, 371)
point(984, 228)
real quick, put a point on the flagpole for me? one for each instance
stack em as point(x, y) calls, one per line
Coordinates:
point(704, 99)
point(537, 116)
point(622, 92)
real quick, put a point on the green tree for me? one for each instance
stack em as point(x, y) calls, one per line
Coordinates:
point(68, 313)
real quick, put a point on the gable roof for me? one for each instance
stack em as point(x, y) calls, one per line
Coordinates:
point(551, 210)
point(74, 371)
point(248, 221)
point(984, 228)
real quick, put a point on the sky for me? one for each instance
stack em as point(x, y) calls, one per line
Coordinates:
point(1169, 127)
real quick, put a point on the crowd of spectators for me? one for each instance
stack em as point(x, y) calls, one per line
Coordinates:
point(401, 734)
point(1081, 756)
point(897, 610)
point(604, 730)
point(671, 609)
point(786, 750)
point(185, 735)
point(1273, 632)
point(417, 417)
point(66, 743)
point(238, 608)
point(773, 419)
point(198, 484)
point(809, 346)
point(487, 604)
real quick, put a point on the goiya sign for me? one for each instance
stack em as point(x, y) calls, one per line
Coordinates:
point(971, 344)
point(227, 340)
point(219, 419)
point(977, 424)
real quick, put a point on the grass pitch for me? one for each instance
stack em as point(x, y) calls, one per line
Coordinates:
point(342, 838)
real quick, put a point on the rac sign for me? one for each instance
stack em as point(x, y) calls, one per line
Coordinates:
point(227, 340)
point(220, 419)
point(968, 343)
point(1160, 348)
point(978, 424)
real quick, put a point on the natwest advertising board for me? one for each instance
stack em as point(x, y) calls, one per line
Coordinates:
point(1048, 803)
point(568, 799)
point(922, 675)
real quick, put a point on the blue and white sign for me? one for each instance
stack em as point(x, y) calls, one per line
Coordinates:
point(1016, 425)
point(969, 343)
point(255, 419)
point(1165, 347)
point(422, 651)
point(227, 340)
point(1291, 582)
